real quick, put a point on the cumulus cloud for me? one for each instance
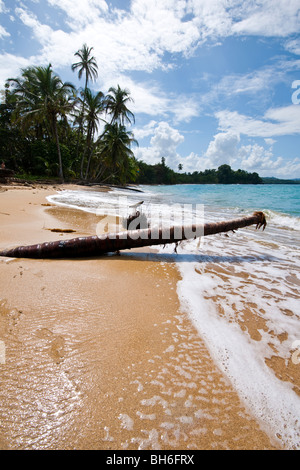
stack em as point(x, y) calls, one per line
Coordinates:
point(11, 65)
point(263, 161)
point(222, 149)
point(257, 158)
point(163, 143)
point(226, 148)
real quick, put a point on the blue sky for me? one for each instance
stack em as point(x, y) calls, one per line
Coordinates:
point(213, 81)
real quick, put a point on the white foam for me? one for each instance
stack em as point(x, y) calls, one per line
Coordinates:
point(242, 359)
point(283, 220)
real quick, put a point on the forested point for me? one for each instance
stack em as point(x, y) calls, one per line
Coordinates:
point(51, 130)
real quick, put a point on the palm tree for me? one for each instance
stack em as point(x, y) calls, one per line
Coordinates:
point(41, 98)
point(87, 65)
point(115, 152)
point(94, 107)
point(116, 105)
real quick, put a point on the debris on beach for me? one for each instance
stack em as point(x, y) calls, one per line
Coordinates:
point(115, 242)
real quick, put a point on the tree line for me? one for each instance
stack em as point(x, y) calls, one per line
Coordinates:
point(162, 174)
point(49, 129)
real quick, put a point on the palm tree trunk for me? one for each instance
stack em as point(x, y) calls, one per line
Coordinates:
point(114, 242)
point(61, 173)
point(81, 127)
point(89, 152)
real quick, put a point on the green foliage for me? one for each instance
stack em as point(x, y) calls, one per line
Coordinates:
point(161, 174)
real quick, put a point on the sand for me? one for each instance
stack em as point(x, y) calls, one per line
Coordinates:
point(98, 353)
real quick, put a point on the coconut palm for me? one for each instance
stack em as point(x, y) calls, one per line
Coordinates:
point(87, 65)
point(94, 108)
point(41, 98)
point(115, 152)
point(116, 105)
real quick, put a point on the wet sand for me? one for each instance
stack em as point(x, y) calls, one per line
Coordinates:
point(99, 354)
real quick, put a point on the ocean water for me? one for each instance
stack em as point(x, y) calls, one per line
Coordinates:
point(240, 290)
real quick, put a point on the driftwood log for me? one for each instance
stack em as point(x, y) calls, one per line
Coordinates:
point(114, 242)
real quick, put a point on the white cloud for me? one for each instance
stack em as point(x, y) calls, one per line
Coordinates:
point(269, 18)
point(41, 32)
point(275, 122)
point(270, 142)
point(3, 32)
point(131, 41)
point(222, 149)
point(184, 108)
point(163, 143)
point(81, 12)
point(11, 65)
point(257, 158)
point(293, 46)
point(258, 83)
point(222, 18)
point(141, 133)
point(265, 163)
point(139, 38)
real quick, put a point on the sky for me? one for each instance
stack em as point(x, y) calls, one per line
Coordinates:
point(213, 81)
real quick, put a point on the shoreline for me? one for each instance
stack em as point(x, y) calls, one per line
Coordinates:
point(99, 353)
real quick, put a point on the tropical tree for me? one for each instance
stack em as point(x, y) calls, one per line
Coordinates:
point(87, 65)
point(115, 153)
point(116, 105)
point(94, 108)
point(41, 99)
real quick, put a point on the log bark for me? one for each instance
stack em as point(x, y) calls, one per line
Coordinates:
point(114, 242)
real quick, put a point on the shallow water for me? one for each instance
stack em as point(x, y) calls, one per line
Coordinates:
point(241, 290)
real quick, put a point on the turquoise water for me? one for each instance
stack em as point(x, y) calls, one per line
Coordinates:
point(283, 199)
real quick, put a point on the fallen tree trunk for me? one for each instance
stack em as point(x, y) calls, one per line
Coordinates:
point(114, 242)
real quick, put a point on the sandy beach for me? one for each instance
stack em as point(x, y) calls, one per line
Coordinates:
point(99, 354)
